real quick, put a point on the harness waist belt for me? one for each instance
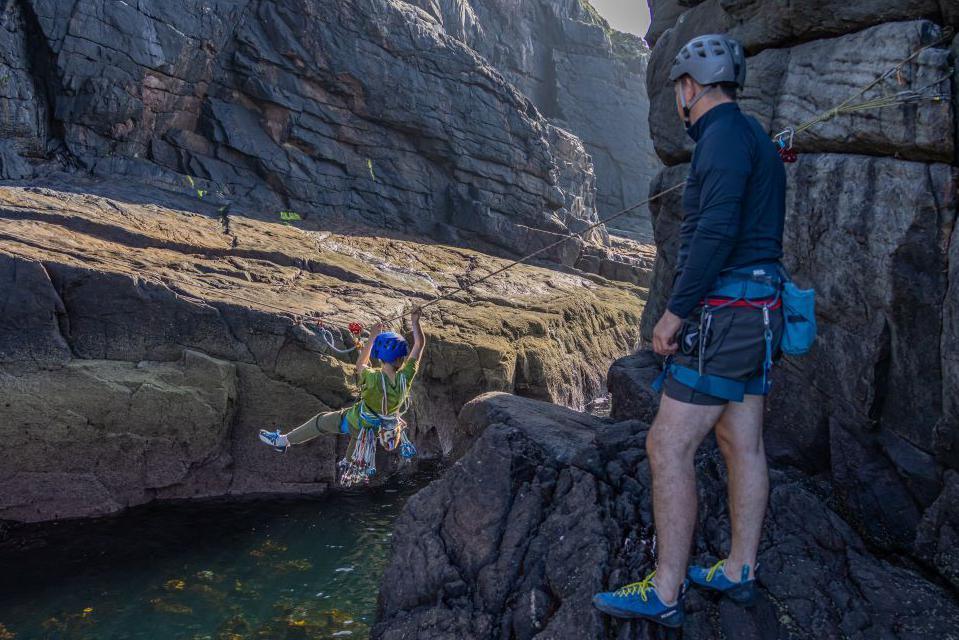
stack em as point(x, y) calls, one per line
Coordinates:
point(772, 303)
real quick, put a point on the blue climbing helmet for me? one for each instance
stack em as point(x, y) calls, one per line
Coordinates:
point(389, 347)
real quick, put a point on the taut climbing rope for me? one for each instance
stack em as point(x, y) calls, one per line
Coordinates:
point(783, 140)
point(901, 97)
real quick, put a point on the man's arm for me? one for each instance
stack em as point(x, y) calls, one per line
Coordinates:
point(724, 176)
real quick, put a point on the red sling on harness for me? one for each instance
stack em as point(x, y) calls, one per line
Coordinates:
point(773, 303)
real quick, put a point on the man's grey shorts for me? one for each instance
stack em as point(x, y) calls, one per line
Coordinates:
point(735, 349)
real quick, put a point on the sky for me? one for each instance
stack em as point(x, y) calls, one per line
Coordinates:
point(625, 15)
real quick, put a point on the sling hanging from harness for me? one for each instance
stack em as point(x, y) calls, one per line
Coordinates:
point(389, 429)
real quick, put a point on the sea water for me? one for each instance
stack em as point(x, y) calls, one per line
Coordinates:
point(265, 570)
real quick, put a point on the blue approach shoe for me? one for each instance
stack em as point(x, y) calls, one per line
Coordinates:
point(274, 439)
point(715, 579)
point(640, 600)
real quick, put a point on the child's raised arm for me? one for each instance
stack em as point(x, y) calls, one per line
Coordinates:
point(419, 340)
point(363, 360)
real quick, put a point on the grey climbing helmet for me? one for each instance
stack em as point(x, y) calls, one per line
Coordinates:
point(711, 59)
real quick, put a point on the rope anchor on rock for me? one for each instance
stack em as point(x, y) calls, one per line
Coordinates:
point(784, 143)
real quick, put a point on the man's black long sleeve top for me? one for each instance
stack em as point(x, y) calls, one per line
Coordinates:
point(734, 204)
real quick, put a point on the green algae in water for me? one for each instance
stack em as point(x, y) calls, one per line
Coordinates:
point(262, 570)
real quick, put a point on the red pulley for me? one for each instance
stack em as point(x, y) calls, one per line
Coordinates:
point(356, 328)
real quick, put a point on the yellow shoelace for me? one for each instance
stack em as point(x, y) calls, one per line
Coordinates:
point(712, 572)
point(641, 587)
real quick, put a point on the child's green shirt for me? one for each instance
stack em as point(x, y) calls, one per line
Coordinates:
point(371, 392)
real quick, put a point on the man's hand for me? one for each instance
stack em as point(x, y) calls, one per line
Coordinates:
point(376, 330)
point(664, 335)
point(416, 315)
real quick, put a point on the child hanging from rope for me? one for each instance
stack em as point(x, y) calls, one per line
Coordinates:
point(378, 416)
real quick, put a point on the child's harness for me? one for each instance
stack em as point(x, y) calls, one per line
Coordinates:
point(387, 428)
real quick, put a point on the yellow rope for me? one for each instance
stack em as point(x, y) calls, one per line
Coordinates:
point(845, 107)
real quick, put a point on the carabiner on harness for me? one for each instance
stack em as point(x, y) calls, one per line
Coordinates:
point(784, 144)
point(768, 339)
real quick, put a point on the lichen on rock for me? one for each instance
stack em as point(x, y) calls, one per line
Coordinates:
point(142, 345)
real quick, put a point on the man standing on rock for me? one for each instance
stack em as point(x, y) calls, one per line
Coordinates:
point(721, 329)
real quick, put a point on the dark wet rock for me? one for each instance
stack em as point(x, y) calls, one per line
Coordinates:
point(760, 24)
point(344, 112)
point(938, 539)
point(770, 24)
point(550, 506)
point(954, 50)
point(947, 434)
point(666, 213)
point(629, 384)
point(877, 260)
point(25, 116)
point(791, 86)
point(663, 16)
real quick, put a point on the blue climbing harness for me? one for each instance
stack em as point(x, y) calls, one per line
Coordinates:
point(759, 287)
point(389, 429)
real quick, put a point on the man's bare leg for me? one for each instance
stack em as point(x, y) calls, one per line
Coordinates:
point(739, 433)
point(677, 432)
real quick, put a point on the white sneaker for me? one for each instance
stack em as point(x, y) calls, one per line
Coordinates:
point(274, 439)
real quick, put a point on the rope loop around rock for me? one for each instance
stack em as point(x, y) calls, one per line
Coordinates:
point(329, 339)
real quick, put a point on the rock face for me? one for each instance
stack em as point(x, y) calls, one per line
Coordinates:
point(787, 87)
point(142, 345)
point(363, 112)
point(551, 506)
point(25, 116)
point(871, 224)
point(580, 73)
point(156, 152)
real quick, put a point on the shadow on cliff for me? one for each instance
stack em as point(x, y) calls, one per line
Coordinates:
point(188, 202)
